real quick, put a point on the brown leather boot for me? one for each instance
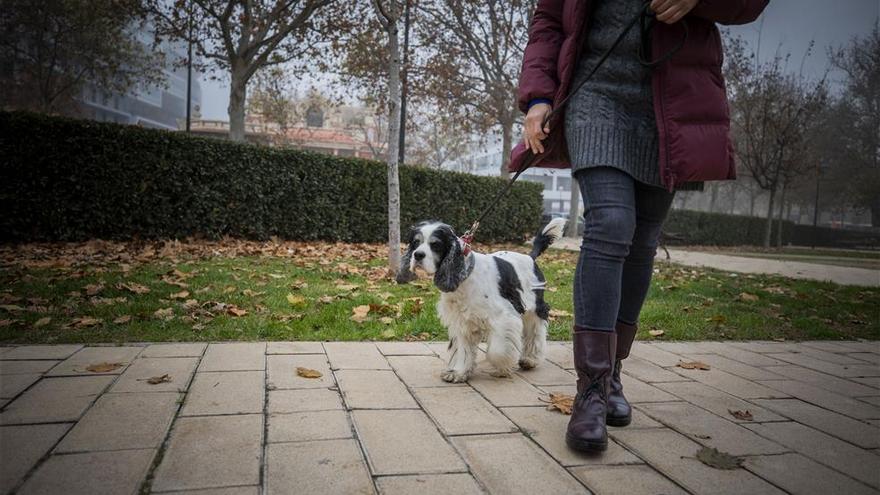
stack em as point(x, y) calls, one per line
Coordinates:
point(593, 361)
point(619, 410)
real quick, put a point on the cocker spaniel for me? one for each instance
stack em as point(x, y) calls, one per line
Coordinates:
point(499, 296)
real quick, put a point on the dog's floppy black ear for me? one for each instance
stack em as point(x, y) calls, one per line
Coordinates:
point(452, 270)
point(404, 275)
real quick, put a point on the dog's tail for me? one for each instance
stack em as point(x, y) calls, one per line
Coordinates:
point(547, 236)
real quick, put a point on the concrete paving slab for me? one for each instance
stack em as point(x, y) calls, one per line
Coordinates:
point(420, 371)
point(429, 484)
point(26, 367)
point(404, 442)
point(798, 475)
point(136, 378)
point(510, 463)
point(123, 422)
point(249, 356)
point(718, 402)
point(404, 349)
point(55, 400)
point(547, 429)
point(461, 411)
point(77, 364)
point(228, 392)
point(174, 350)
point(294, 348)
point(56, 352)
point(674, 454)
point(306, 426)
point(374, 389)
point(632, 480)
point(547, 373)
point(283, 375)
point(329, 466)
point(734, 385)
point(12, 385)
point(734, 367)
point(825, 381)
point(355, 355)
point(827, 399)
point(303, 400)
point(844, 457)
point(211, 452)
point(501, 392)
point(649, 372)
point(22, 446)
point(710, 430)
point(90, 473)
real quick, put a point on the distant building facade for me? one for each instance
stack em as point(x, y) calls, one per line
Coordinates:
point(556, 182)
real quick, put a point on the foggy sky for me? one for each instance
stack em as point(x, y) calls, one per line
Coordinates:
point(785, 24)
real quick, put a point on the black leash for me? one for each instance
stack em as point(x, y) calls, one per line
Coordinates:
point(645, 19)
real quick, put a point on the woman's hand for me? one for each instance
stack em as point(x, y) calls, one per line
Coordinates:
point(533, 134)
point(670, 11)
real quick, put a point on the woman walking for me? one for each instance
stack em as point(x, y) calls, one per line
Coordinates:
point(632, 135)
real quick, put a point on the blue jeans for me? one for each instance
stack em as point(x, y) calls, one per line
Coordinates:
point(622, 222)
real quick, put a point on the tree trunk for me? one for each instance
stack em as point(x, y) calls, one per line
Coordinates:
point(714, 198)
point(780, 218)
point(769, 226)
point(574, 209)
point(393, 148)
point(506, 146)
point(237, 98)
point(875, 212)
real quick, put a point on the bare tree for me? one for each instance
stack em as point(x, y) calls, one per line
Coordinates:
point(474, 51)
point(243, 36)
point(55, 47)
point(435, 141)
point(770, 113)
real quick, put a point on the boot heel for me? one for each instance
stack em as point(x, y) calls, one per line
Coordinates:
point(585, 446)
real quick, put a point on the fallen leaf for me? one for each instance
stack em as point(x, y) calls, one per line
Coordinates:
point(11, 307)
point(308, 373)
point(295, 299)
point(359, 313)
point(656, 333)
point(251, 293)
point(133, 287)
point(84, 321)
point(561, 402)
point(693, 365)
point(326, 299)
point(346, 287)
point(42, 322)
point(164, 313)
point(103, 367)
point(718, 319)
point(122, 319)
point(386, 320)
point(719, 460)
point(743, 415)
point(745, 296)
point(235, 310)
point(94, 289)
point(155, 380)
point(180, 295)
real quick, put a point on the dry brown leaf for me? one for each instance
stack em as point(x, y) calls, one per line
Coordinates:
point(346, 287)
point(42, 322)
point(93, 289)
point(180, 295)
point(11, 307)
point(295, 299)
point(103, 367)
point(252, 293)
point(133, 287)
point(84, 321)
point(122, 319)
point(560, 402)
point(745, 296)
point(693, 365)
point(308, 373)
point(234, 310)
point(743, 415)
point(386, 320)
point(326, 299)
point(656, 333)
point(359, 313)
point(164, 313)
point(155, 380)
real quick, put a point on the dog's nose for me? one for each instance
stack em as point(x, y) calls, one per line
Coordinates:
point(419, 255)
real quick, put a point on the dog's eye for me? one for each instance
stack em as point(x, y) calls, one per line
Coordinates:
point(436, 245)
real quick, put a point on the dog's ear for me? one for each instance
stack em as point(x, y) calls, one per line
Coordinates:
point(452, 270)
point(404, 274)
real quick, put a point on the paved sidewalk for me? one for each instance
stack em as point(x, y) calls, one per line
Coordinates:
point(843, 275)
point(235, 418)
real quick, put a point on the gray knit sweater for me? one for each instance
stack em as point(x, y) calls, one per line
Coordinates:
point(610, 120)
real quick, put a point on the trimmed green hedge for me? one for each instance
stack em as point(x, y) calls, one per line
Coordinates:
point(721, 229)
point(64, 180)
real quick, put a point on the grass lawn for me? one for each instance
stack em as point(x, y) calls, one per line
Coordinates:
point(237, 290)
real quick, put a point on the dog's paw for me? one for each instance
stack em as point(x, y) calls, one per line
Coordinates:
point(528, 363)
point(453, 376)
point(501, 373)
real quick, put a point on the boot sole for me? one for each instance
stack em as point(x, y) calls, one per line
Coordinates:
point(585, 446)
point(618, 421)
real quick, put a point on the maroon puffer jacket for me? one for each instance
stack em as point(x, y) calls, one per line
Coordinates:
point(690, 102)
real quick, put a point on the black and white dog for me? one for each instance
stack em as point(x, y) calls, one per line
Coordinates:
point(499, 296)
